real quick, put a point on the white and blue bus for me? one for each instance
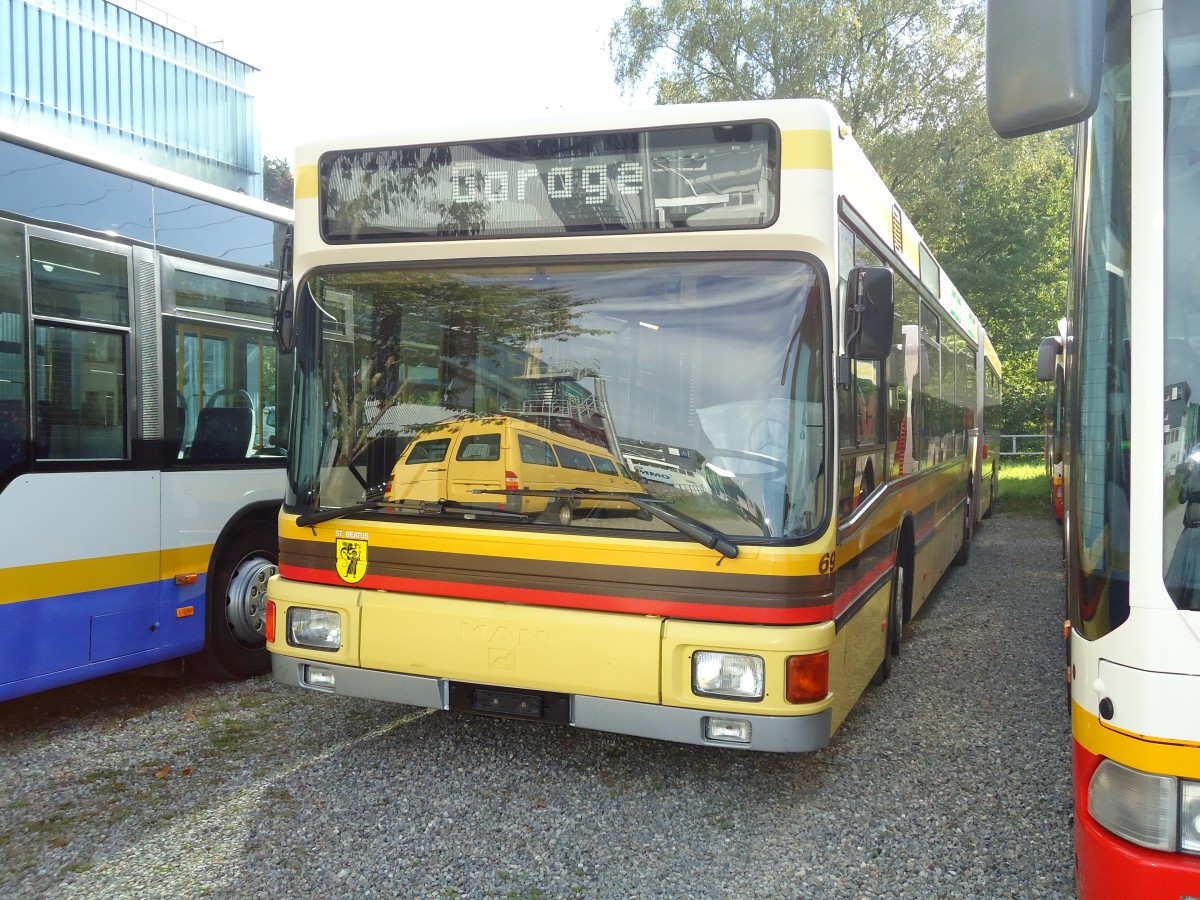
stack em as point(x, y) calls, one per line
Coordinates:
point(140, 467)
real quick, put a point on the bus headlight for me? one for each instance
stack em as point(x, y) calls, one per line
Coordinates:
point(732, 676)
point(317, 629)
point(1137, 806)
point(1189, 817)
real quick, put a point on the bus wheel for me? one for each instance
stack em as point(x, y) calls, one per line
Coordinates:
point(895, 626)
point(964, 551)
point(563, 512)
point(237, 602)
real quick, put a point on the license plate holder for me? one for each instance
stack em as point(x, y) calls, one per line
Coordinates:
point(509, 703)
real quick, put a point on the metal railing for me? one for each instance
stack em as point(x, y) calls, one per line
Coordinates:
point(1023, 445)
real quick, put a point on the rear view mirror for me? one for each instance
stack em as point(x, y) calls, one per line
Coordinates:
point(869, 311)
point(285, 319)
point(1047, 361)
point(1043, 63)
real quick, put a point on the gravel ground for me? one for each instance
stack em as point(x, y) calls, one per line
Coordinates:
point(952, 780)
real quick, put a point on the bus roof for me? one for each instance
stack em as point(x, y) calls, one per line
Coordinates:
point(808, 114)
point(99, 158)
point(814, 137)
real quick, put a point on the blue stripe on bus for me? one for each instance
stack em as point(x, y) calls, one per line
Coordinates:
point(55, 641)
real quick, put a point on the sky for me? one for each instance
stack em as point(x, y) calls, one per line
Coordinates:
point(362, 66)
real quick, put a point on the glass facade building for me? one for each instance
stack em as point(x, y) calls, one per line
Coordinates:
point(98, 72)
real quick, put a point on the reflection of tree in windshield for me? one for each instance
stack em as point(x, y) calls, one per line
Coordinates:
point(433, 339)
point(673, 371)
point(377, 181)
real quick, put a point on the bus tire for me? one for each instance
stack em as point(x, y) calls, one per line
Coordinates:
point(563, 513)
point(237, 602)
point(964, 550)
point(895, 625)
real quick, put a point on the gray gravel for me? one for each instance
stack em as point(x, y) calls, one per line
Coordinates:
point(952, 780)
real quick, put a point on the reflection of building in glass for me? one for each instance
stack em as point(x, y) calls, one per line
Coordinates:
point(719, 176)
point(140, 83)
point(695, 187)
point(1180, 425)
point(660, 464)
point(556, 400)
point(667, 470)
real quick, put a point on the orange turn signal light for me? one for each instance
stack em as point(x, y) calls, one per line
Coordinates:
point(271, 621)
point(807, 677)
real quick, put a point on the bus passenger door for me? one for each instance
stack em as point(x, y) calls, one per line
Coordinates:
point(90, 513)
point(861, 444)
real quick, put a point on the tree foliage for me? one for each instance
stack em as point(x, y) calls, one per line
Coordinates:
point(907, 77)
point(278, 183)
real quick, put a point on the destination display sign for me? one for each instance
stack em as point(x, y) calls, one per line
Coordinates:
point(721, 176)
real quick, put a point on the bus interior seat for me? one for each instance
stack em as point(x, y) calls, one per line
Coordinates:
point(222, 433)
point(175, 441)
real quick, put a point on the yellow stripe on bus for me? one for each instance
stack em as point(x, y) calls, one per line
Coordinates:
point(22, 583)
point(1145, 754)
point(306, 182)
point(184, 560)
point(623, 551)
point(807, 149)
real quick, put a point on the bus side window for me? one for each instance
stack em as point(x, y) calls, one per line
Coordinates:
point(14, 350)
point(81, 391)
point(80, 347)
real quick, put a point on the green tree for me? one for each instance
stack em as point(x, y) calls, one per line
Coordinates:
point(902, 73)
point(907, 77)
point(1006, 243)
point(279, 185)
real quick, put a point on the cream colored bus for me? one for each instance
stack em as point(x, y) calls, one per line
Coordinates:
point(727, 299)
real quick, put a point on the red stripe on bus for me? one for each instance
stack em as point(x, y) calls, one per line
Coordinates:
point(850, 595)
point(751, 615)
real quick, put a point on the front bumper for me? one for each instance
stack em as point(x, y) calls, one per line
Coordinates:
point(778, 734)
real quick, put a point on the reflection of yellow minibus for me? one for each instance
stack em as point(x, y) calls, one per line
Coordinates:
point(459, 460)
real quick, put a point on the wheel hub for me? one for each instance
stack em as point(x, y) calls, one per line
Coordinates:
point(246, 598)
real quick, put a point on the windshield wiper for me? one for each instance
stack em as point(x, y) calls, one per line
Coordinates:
point(410, 507)
point(702, 534)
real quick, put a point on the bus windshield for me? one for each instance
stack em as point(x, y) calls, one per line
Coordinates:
point(545, 393)
point(1181, 309)
point(1100, 404)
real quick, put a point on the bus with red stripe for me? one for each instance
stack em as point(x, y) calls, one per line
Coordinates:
point(1127, 75)
point(728, 305)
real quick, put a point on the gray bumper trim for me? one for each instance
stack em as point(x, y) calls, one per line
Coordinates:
point(778, 734)
point(411, 690)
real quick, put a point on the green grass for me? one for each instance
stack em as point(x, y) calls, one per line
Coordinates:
point(1024, 489)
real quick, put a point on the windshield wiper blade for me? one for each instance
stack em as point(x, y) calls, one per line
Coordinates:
point(326, 515)
point(704, 535)
point(411, 507)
